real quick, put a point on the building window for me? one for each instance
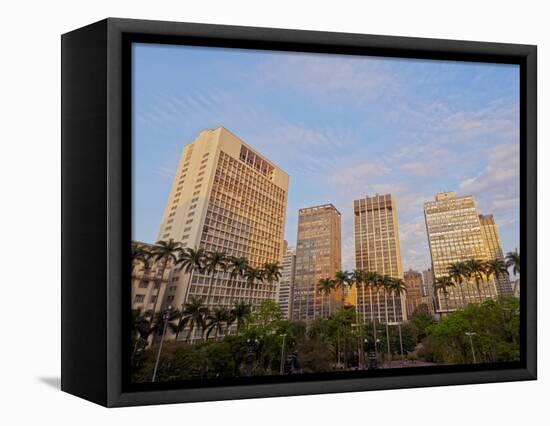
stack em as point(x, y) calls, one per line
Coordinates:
point(139, 298)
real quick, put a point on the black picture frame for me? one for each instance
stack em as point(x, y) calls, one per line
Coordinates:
point(96, 226)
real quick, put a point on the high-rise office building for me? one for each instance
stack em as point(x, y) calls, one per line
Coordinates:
point(492, 241)
point(377, 249)
point(414, 284)
point(455, 235)
point(225, 197)
point(286, 283)
point(318, 255)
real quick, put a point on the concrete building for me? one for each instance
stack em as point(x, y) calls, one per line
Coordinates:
point(225, 197)
point(492, 241)
point(318, 255)
point(414, 283)
point(377, 249)
point(455, 235)
point(286, 283)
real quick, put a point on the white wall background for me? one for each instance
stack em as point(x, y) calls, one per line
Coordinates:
point(30, 200)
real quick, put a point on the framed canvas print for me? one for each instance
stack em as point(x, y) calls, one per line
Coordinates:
point(254, 212)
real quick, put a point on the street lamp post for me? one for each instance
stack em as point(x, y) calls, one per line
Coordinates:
point(165, 317)
point(281, 371)
point(470, 334)
point(252, 347)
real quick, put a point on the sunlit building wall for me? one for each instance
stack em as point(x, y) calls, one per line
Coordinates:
point(492, 241)
point(455, 235)
point(318, 255)
point(377, 249)
point(225, 197)
point(413, 282)
point(286, 283)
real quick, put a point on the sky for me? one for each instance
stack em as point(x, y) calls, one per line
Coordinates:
point(341, 126)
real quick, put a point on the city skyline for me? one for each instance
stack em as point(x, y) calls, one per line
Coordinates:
point(356, 155)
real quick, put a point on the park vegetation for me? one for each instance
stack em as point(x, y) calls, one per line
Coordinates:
point(246, 340)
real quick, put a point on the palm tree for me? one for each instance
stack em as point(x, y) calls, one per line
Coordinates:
point(193, 315)
point(458, 271)
point(512, 260)
point(237, 267)
point(357, 279)
point(342, 280)
point(216, 321)
point(325, 286)
point(145, 257)
point(253, 275)
point(141, 328)
point(139, 254)
point(216, 261)
point(272, 273)
point(191, 260)
point(496, 268)
point(160, 319)
point(240, 313)
point(476, 270)
point(442, 284)
point(164, 252)
point(372, 280)
point(386, 283)
point(398, 287)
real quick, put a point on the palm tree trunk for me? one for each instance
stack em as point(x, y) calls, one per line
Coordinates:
point(158, 290)
point(188, 289)
point(394, 311)
point(387, 327)
point(363, 301)
point(210, 288)
point(190, 332)
point(163, 270)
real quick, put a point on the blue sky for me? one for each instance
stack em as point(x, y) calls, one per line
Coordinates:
point(341, 126)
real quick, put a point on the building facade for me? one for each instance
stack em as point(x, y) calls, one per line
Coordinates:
point(492, 241)
point(377, 249)
point(318, 255)
point(286, 283)
point(225, 197)
point(455, 235)
point(414, 283)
